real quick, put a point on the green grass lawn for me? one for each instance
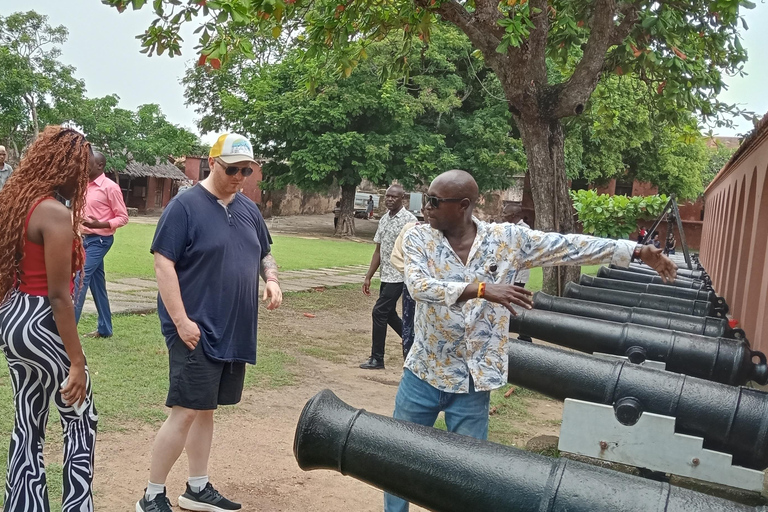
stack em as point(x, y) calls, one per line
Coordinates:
point(534, 283)
point(130, 257)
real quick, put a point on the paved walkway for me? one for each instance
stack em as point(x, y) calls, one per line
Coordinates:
point(135, 295)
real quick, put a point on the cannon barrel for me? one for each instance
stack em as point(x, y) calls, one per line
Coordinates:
point(730, 419)
point(718, 359)
point(681, 272)
point(654, 289)
point(703, 325)
point(637, 277)
point(447, 472)
point(642, 300)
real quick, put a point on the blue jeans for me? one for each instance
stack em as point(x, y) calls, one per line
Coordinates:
point(92, 276)
point(409, 311)
point(419, 402)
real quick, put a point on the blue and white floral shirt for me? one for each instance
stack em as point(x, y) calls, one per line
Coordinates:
point(455, 340)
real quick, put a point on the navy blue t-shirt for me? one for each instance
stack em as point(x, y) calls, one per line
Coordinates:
point(218, 252)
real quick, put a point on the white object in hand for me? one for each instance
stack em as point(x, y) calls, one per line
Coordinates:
point(78, 408)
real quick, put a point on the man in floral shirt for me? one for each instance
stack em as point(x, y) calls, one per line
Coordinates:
point(461, 272)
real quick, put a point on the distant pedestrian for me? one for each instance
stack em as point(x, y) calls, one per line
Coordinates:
point(655, 240)
point(104, 212)
point(5, 168)
point(385, 310)
point(369, 208)
point(336, 215)
point(669, 246)
point(641, 235)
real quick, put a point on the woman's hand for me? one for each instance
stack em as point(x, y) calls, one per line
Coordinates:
point(77, 385)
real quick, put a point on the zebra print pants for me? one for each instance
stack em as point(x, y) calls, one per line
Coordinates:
point(38, 365)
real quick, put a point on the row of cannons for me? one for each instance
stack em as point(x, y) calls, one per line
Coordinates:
point(652, 375)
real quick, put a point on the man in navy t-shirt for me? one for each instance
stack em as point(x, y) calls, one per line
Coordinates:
point(210, 246)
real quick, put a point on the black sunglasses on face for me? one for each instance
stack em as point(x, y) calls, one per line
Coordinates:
point(231, 170)
point(434, 202)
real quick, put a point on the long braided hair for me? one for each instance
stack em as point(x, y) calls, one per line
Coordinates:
point(58, 156)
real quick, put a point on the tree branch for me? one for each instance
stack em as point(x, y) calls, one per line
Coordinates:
point(487, 15)
point(537, 42)
point(481, 35)
point(628, 22)
point(575, 92)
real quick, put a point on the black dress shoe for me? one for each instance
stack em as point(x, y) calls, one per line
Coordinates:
point(373, 364)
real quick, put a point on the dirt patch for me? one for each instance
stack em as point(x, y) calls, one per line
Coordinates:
point(252, 459)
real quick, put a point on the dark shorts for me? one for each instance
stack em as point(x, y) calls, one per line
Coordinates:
point(200, 383)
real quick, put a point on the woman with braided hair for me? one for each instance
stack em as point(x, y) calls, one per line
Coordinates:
point(40, 250)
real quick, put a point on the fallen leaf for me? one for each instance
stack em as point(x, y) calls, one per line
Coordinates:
point(309, 315)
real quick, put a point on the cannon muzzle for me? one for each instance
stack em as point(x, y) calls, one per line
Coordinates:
point(722, 360)
point(730, 419)
point(446, 472)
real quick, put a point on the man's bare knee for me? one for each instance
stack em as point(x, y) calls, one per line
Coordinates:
point(183, 417)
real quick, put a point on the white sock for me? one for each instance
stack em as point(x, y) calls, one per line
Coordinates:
point(153, 490)
point(197, 483)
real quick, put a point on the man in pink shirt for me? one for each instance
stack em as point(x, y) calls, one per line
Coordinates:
point(104, 212)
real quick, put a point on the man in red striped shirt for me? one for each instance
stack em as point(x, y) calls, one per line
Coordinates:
point(104, 212)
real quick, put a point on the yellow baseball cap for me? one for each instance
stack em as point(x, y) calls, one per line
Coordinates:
point(232, 148)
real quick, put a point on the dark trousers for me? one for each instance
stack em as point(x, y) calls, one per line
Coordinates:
point(523, 337)
point(385, 313)
point(409, 311)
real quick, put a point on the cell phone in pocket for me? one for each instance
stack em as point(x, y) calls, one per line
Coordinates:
point(79, 409)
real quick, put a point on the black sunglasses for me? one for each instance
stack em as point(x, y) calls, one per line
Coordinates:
point(434, 202)
point(231, 170)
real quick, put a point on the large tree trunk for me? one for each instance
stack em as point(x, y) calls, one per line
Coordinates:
point(544, 144)
point(346, 225)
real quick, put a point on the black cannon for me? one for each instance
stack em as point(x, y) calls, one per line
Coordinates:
point(730, 419)
point(642, 300)
point(681, 272)
point(447, 472)
point(655, 289)
point(638, 277)
point(718, 359)
point(703, 325)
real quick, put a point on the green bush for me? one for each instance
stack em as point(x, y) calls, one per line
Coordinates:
point(614, 216)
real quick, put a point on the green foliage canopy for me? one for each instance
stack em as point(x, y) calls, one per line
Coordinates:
point(144, 135)
point(446, 114)
point(36, 89)
point(614, 216)
point(621, 136)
